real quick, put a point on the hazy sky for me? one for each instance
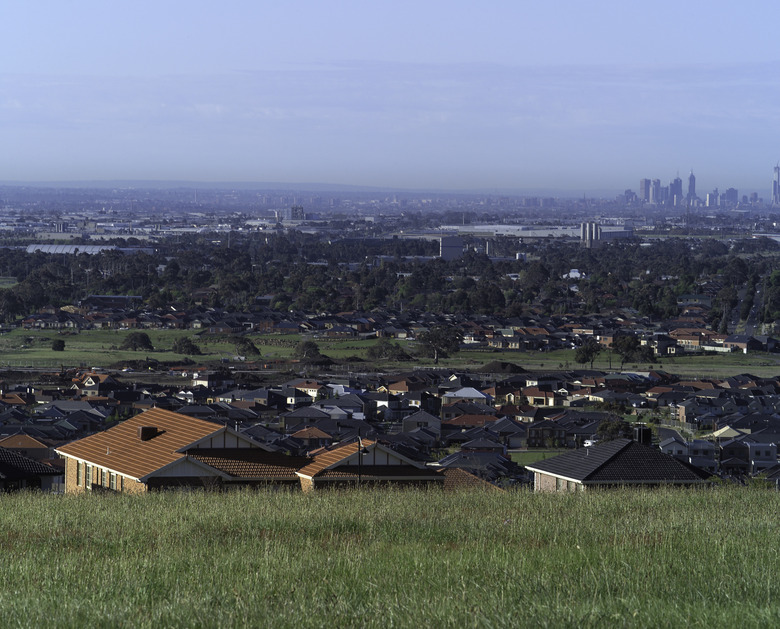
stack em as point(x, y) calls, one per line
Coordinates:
point(425, 94)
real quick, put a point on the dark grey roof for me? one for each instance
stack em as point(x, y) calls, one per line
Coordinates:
point(307, 413)
point(619, 461)
point(422, 416)
point(772, 473)
point(14, 466)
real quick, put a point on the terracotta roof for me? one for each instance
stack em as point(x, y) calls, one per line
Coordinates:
point(333, 464)
point(13, 399)
point(120, 449)
point(378, 472)
point(21, 441)
point(251, 463)
point(331, 457)
point(470, 420)
point(456, 478)
point(100, 377)
point(311, 432)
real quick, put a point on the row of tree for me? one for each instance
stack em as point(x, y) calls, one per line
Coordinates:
point(375, 273)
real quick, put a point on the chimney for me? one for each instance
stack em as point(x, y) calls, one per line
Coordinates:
point(145, 433)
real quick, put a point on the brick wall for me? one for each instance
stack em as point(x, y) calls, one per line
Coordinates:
point(131, 486)
point(545, 482)
point(123, 484)
point(307, 484)
point(70, 477)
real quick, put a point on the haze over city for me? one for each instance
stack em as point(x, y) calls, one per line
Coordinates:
point(512, 96)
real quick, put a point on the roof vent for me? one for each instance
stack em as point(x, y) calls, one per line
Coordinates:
point(145, 433)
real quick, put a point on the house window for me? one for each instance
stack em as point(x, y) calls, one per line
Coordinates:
point(121, 483)
point(79, 474)
point(104, 478)
point(112, 481)
point(88, 476)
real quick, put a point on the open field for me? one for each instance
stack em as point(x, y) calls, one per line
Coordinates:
point(533, 455)
point(99, 348)
point(699, 558)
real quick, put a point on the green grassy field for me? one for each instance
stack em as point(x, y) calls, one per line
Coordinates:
point(99, 348)
point(526, 457)
point(663, 558)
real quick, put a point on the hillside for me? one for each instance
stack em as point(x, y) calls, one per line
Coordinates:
point(405, 559)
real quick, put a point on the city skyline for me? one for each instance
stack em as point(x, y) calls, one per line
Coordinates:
point(439, 96)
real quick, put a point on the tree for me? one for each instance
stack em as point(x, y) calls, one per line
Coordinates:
point(587, 352)
point(439, 342)
point(307, 350)
point(187, 347)
point(627, 346)
point(58, 345)
point(385, 349)
point(613, 428)
point(245, 346)
point(136, 341)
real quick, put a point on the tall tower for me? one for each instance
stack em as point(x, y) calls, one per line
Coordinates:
point(655, 191)
point(776, 186)
point(691, 187)
point(644, 189)
point(676, 191)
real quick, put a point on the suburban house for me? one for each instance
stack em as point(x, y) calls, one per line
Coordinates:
point(421, 419)
point(153, 450)
point(26, 446)
point(93, 384)
point(365, 462)
point(747, 455)
point(21, 472)
point(611, 464)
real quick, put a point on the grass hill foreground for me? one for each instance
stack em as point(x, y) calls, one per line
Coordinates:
point(413, 558)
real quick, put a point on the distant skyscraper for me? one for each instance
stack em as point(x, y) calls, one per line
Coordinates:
point(676, 191)
point(644, 189)
point(691, 187)
point(655, 191)
point(776, 186)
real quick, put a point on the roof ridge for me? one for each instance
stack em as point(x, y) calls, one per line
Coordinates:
point(609, 458)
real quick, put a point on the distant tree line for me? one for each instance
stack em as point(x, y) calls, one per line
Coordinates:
point(309, 273)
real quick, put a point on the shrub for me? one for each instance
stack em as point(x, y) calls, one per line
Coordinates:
point(136, 341)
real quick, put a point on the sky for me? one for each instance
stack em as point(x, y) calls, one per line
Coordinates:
point(427, 95)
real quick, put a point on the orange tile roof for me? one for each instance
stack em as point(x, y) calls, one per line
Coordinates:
point(121, 450)
point(332, 457)
point(21, 441)
point(470, 420)
point(380, 472)
point(311, 432)
point(251, 463)
point(458, 479)
point(13, 399)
